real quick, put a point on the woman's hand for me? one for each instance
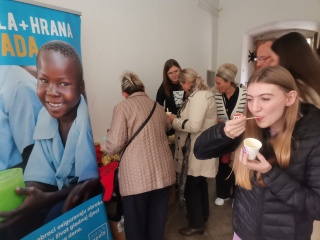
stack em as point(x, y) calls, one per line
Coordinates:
point(235, 127)
point(261, 165)
point(171, 117)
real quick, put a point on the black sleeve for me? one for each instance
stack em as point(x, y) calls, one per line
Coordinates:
point(214, 143)
point(161, 96)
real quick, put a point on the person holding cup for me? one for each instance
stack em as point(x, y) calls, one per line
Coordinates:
point(279, 191)
point(197, 114)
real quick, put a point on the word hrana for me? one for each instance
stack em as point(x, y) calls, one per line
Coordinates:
point(39, 26)
point(18, 46)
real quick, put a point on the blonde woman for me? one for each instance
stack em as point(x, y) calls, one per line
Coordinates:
point(279, 192)
point(197, 113)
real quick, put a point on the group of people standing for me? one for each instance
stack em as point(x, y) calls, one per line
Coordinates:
point(276, 196)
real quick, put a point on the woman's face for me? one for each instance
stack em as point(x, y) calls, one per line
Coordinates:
point(173, 74)
point(222, 85)
point(268, 102)
point(186, 86)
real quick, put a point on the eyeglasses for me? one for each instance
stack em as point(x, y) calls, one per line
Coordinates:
point(261, 59)
point(174, 72)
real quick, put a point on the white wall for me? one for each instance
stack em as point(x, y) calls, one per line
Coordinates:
point(238, 17)
point(138, 35)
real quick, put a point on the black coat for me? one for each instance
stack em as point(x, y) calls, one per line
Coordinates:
point(286, 208)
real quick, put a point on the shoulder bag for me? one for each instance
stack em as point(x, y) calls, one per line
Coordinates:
point(116, 190)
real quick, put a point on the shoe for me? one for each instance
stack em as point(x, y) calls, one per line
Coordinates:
point(187, 231)
point(220, 201)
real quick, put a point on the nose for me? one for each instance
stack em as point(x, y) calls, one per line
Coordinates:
point(255, 106)
point(52, 90)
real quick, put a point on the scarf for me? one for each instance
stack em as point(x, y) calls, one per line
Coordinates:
point(182, 178)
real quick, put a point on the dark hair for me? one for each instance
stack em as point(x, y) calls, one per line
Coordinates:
point(296, 55)
point(66, 50)
point(166, 81)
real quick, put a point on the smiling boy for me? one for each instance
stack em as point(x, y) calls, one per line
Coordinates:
point(62, 170)
point(64, 145)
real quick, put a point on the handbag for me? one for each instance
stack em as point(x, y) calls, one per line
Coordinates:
point(116, 196)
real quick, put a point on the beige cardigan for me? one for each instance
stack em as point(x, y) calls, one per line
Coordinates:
point(147, 163)
point(201, 113)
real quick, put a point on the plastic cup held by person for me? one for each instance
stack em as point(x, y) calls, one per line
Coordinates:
point(10, 179)
point(252, 147)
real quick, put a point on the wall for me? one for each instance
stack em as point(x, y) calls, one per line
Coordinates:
point(138, 35)
point(238, 17)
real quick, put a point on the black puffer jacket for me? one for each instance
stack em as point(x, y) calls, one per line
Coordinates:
point(286, 208)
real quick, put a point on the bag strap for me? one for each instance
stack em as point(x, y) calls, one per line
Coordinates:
point(140, 128)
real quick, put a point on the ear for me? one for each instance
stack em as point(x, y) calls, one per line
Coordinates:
point(291, 97)
point(125, 95)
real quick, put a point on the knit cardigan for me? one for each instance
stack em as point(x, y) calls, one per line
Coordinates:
point(240, 105)
point(147, 163)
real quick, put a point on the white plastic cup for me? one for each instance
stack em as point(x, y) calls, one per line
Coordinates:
point(169, 113)
point(252, 147)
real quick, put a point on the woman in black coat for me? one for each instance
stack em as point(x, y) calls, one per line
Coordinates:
point(279, 192)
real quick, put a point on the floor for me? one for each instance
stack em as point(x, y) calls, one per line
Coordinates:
point(218, 227)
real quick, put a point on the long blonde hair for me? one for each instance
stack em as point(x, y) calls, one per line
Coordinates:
point(281, 144)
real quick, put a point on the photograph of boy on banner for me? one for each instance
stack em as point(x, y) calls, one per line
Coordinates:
point(61, 171)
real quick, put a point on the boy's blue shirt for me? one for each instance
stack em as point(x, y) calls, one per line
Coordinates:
point(19, 108)
point(53, 164)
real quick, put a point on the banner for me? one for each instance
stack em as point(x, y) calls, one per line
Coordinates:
point(87, 221)
point(49, 181)
point(24, 28)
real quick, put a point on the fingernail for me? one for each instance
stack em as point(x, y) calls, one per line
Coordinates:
point(244, 150)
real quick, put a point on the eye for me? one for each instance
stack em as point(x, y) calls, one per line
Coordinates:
point(249, 99)
point(43, 80)
point(64, 84)
point(265, 99)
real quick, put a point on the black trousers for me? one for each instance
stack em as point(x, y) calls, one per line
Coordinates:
point(197, 201)
point(145, 214)
point(224, 186)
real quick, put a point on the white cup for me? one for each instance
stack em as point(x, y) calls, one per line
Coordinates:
point(252, 147)
point(169, 113)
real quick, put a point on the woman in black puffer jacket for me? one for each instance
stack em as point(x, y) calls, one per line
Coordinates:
point(279, 193)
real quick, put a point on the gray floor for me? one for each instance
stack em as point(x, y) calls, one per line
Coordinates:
point(218, 227)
